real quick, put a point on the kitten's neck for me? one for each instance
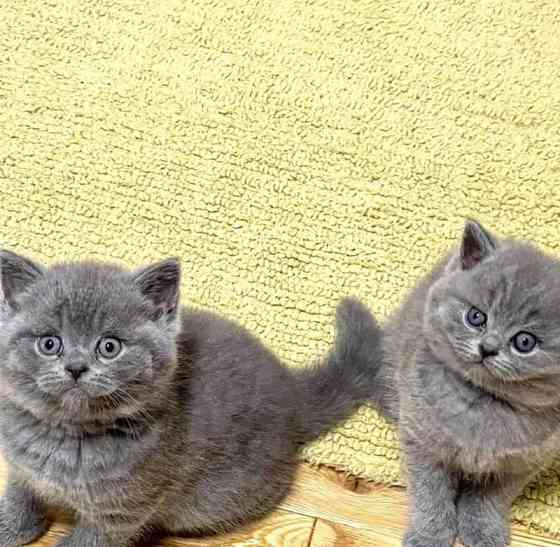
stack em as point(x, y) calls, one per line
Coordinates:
point(134, 425)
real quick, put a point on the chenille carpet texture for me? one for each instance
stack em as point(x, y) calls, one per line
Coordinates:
point(290, 152)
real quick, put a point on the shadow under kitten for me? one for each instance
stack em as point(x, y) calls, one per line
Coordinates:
point(140, 415)
point(470, 373)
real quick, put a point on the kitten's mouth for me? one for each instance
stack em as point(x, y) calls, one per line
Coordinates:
point(490, 375)
point(73, 389)
point(487, 363)
point(77, 390)
point(482, 372)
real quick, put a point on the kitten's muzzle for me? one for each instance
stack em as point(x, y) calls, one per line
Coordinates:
point(75, 369)
point(489, 346)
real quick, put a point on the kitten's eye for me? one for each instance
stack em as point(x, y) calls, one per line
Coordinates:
point(524, 342)
point(49, 346)
point(476, 318)
point(109, 348)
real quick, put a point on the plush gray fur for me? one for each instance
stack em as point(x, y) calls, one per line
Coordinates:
point(477, 418)
point(192, 428)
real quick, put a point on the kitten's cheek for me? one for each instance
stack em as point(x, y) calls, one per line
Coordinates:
point(156, 367)
point(52, 387)
point(149, 373)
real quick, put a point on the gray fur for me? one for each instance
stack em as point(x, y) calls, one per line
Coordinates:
point(474, 429)
point(192, 428)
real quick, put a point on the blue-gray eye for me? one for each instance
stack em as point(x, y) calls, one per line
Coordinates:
point(109, 347)
point(49, 346)
point(524, 342)
point(476, 318)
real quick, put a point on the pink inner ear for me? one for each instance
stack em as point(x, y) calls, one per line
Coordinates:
point(471, 260)
point(159, 283)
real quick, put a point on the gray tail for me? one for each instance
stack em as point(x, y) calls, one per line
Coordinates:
point(335, 387)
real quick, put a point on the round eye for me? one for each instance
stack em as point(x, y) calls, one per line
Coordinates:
point(49, 346)
point(109, 348)
point(476, 318)
point(524, 342)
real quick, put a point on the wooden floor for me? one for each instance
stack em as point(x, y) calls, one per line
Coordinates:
point(325, 509)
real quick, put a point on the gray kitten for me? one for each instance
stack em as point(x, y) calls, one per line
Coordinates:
point(141, 416)
point(471, 374)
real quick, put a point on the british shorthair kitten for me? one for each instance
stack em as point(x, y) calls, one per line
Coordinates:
point(138, 415)
point(471, 374)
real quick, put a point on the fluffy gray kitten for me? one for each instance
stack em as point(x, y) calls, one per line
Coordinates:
point(139, 415)
point(471, 373)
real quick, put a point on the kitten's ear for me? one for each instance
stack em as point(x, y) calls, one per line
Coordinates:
point(16, 274)
point(477, 245)
point(160, 284)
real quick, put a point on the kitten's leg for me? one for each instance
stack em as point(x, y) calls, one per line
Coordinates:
point(483, 511)
point(432, 490)
point(23, 516)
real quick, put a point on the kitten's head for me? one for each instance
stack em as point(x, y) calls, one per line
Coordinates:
point(494, 317)
point(85, 340)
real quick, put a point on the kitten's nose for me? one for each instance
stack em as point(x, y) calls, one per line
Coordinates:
point(489, 346)
point(75, 369)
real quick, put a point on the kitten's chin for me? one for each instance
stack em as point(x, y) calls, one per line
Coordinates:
point(480, 376)
point(79, 401)
point(75, 401)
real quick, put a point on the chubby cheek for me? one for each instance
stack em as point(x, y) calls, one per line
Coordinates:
point(464, 340)
point(449, 336)
point(134, 367)
point(23, 357)
point(532, 366)
point(466, 347)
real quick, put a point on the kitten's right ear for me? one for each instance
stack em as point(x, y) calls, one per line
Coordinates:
point(159, 283)
point(477, 245)
point(16, 274)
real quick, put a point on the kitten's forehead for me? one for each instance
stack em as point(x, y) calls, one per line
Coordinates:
point(85, 297)
point(519, 279)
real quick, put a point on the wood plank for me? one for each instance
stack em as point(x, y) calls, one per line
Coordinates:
point(522, 538)
point(344, 479)
point(313, 495)
point(329, 534)
point(375, 509)
point(279, 529)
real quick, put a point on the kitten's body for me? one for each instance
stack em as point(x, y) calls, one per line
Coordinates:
point(474, 429)
point(196, 448)
point(468, 427)
point(203, 437)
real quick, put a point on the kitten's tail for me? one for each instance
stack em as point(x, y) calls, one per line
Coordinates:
point(333, 388)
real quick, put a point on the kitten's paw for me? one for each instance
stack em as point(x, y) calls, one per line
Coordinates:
point(16, 537)
point(415, 538)
point(479, 528)
point(89, 537)
point(17, 529)
point(481, 534)
point(79, 540)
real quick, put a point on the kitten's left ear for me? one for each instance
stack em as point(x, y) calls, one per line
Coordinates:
point(477, 245)
point(16, 274)
point(160, 284)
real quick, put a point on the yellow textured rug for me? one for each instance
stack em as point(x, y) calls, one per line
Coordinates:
point(291, 152)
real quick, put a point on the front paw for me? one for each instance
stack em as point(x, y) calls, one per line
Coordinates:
point(19, 527)
point(417, 538)
point(478, 531)
point(90, 537)
point(479, 528)
point(79, 539)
